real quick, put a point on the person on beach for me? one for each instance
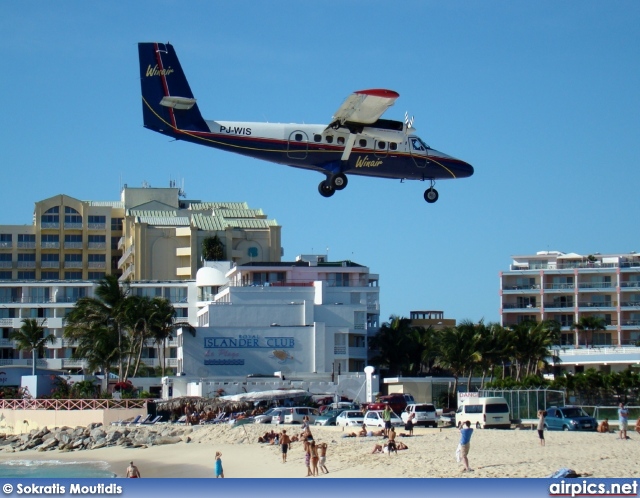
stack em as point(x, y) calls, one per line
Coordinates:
point(604, 426)
point(314, 458)
point(392, 441)
point(541, 415)
point(322, 452)
point(623, 420)
point(219, 471)
point(132, 471)
point(386, 416)
point(409, 425)
point(284, 445)
point(465, 443)
point(307, 457)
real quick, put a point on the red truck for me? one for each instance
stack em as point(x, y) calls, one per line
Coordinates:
point(398, 402)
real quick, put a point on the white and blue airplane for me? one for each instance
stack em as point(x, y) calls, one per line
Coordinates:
point(356, 141)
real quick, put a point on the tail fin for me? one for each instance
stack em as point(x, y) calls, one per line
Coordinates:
point(168, 105)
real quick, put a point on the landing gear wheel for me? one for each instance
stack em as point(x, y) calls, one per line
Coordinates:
point(339, 181)
point(431, 195)
point(326, 189)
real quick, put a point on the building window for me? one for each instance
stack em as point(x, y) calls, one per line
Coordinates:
point(51, 215)
point(73, 275)
point(73, 258)
point(252, 252)
point(96, 275)
point(51, 257)
point(5, 258)
point(27, 237)
point(114, 243)
point(49, 240)
point(97, 219)
point(5, 240)
point(338, 279)
point(26, 275)
point(50, 275)
point(27, 257)
point(5, 275)
point(116, 224)
point(93, 258)
point(71, 215)
point(97, 239)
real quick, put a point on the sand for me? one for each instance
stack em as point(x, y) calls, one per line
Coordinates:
point(431, 453)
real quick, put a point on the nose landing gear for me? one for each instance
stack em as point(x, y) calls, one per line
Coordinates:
point(431, 194)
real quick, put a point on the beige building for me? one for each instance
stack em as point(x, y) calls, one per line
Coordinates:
point(150, 234)
point(163, 234)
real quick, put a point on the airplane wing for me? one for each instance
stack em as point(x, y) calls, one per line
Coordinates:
point(364, 106)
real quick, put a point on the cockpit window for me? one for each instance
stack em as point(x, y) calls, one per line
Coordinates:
point(417, 144)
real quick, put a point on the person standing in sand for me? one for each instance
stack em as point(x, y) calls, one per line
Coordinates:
point(623, 420)
point(314, 458)
point(285, 441)
point(465, 443)
point(219, 471)
point(132, 471)
point(307, 457)
point(322, 452)
point(386, 416)
point(541, 415)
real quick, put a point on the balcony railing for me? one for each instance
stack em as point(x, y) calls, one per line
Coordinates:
point(73, 245)
point(73, 226)
point(97, 226)
point(97, 245)
point(26, 245)
point(71, 404)
point(50, 245)
point(73, 264)
point(595, 285)
point(564, 286)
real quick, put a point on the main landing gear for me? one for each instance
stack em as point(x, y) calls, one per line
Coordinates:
point(329, 186)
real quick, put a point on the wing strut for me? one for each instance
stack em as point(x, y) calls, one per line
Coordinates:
point(348, 147)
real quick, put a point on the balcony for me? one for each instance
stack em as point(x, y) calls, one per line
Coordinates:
point(630, 304)
point(73, 245)
point(97, 265)
point(597, 305)
point(50, 264)
point(6, 245)
point(26, 245)
point(26, 264)
point(50, 245)
point(559, 287)
point(51, 226)
point(96, 226)
point(73, 264)
point(97, 245)
point(6, 264)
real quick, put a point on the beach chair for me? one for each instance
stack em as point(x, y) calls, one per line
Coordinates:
point(154, 421)
point(181, 420)
point(132, 422)
point(144, 420)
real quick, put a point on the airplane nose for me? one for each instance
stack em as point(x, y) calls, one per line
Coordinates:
point(464, 170)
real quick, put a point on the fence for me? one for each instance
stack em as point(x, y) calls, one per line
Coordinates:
point(71, 404)
point(525, 403)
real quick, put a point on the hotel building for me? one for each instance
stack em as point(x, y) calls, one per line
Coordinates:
point(551, 285)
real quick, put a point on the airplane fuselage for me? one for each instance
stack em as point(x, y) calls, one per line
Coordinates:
point(376, 152)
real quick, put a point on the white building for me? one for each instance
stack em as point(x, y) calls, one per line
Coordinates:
point(303, 317)
point(552, 285)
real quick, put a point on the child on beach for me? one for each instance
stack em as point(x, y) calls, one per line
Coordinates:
point(541, 415)
point(322, 451)
point(219, 471)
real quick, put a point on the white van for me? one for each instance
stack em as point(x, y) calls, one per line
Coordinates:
point(296, 414)
point(484, 413)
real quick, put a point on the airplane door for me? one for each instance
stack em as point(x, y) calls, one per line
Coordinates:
point(381, 148)
point(418, 152)
point(298, 145)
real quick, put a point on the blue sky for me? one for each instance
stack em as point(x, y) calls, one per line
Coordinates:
point(540, 97)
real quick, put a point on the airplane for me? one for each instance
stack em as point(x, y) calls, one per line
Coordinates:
point(356, 141)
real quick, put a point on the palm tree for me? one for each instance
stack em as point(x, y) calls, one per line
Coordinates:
point(163, 326)
point(590, 323)
point(391, 345)
point(31, 337)
point(456, 350)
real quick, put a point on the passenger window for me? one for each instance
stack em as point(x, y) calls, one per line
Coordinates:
point(298, 137)
point(317, 138)
point(341, 140)
point(393, 146)
point(329, 139)
point(382, 145)
point(363, 142)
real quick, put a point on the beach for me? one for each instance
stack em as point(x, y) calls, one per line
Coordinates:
point(430, 453)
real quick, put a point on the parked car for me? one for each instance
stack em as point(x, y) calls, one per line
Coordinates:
point(350, 418)
point(425, 414)
point(277, 417)
point(328, 417)
point(397, 401)
point(569, 418)
point(486, 412)
point(265, 418)
point(296, 414)
point(374, 418)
